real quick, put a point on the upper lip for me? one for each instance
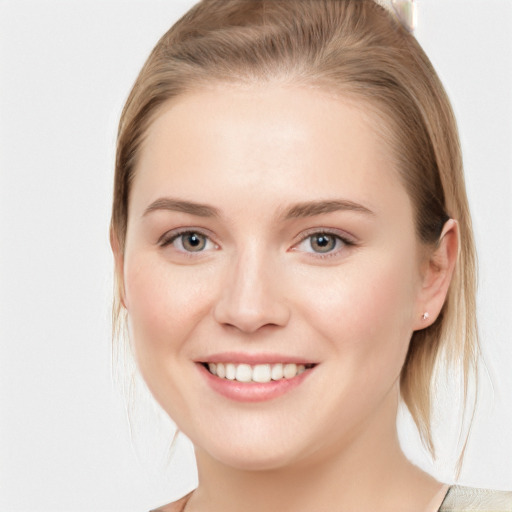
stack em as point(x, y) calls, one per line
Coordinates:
point(254, 359)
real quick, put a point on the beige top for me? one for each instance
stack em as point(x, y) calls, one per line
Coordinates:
point(469, 499)
point(458, 499)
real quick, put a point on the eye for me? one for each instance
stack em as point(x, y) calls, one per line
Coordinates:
point(188, 241)
point(322, 242)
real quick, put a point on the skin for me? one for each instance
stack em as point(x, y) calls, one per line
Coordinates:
point(259, 287)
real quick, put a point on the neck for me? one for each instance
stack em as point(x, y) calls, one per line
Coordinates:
point(365, 473)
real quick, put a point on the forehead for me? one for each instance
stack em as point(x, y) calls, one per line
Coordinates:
point(265, 142)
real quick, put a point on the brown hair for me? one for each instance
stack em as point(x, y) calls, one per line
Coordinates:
point(355, 48)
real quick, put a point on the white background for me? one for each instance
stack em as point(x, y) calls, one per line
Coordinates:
point(65, 70)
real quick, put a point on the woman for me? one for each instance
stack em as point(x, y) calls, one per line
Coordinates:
point(294, 252)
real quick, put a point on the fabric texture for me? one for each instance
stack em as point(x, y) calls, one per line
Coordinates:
point(177, 506)
point(458, 499)
point(470, 499)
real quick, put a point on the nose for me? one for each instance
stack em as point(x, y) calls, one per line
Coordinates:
point(252, 295)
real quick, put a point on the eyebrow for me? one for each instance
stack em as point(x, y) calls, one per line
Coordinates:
point(312, 208)
point(175, 205)
point(299, 210)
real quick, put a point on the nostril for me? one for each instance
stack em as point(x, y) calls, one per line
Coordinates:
point(248, 304)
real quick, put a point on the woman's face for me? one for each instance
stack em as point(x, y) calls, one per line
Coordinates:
point(269, 233)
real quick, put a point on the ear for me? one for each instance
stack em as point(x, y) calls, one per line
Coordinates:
point(118, 265)
point(437, 274)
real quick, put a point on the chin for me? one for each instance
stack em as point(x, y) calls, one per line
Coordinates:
point(253, 459)
point(249, 454)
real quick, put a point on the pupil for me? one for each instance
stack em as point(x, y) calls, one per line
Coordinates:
point(194, 242)
point(323, 243)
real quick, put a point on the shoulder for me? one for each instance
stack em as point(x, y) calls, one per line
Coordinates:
point(470, 499)
point(176, 506)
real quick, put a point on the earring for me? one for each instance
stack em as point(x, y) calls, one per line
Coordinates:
point(425, 316)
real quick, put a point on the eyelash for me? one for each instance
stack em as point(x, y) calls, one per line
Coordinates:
point(346, 242)
point(169, 238)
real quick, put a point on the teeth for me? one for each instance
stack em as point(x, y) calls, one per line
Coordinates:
point(230, 371)
point(289, 370)
point(261, 373)
point(243, 373)
point(221, 371)
point(277, 371)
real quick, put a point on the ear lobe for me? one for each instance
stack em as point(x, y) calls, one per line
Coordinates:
point(437, 275)
point(118, 265)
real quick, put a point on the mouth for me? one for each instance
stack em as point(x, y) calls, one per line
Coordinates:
point(260, 373)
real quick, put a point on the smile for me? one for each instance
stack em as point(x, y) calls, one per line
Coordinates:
point(260, 373)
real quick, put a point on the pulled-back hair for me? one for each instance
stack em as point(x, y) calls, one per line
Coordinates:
point(357, 49)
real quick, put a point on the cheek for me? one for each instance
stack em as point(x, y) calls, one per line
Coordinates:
point(366, 309)
point(164, 304)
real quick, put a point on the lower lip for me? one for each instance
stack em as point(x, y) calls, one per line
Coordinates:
point(252, 391)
